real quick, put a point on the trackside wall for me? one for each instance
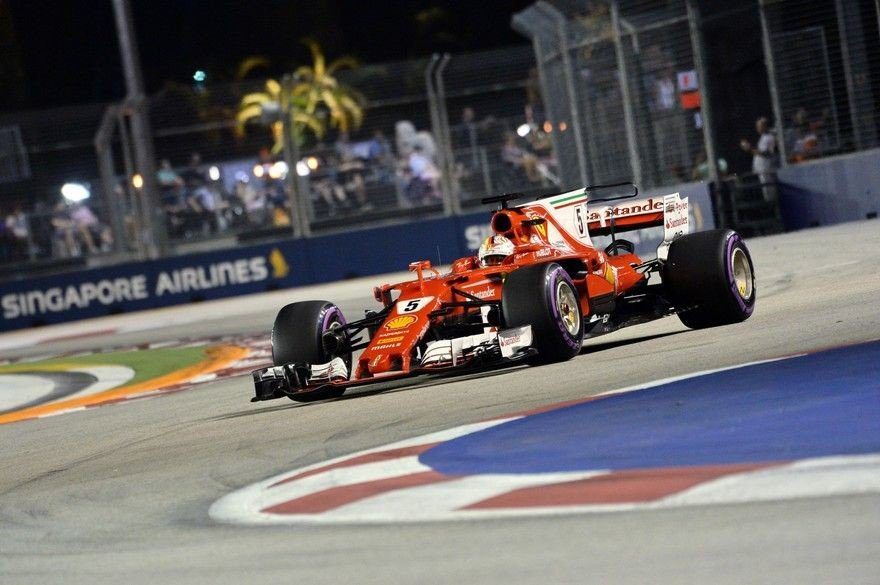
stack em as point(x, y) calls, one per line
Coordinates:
point(829, 191)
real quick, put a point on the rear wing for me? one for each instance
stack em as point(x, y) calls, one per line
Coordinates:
point(585, 216)
point(669, 211)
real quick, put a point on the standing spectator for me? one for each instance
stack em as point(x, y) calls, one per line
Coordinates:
point(469, 135)
point(763, 155)
point(801, 140)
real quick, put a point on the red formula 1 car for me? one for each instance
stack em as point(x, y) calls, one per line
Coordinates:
point(537, 288)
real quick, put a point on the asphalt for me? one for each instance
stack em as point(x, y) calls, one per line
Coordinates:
point(121, 493)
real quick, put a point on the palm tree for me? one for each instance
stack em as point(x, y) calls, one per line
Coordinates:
point(313, 94)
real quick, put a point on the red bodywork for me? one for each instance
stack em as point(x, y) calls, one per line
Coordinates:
point(542, 233)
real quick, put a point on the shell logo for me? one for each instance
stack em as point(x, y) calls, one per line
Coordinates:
point(401, 322)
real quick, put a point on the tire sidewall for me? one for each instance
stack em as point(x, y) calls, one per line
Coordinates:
point(743, 306)
point(554, 276)
point(293, 321)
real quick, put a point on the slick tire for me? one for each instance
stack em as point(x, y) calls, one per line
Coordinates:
point(544, 297)
point(296, 338)
point(710, 276)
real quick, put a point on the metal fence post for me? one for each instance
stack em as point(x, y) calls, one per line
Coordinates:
point(696, 32)
point(635, 159)
point(140, 216)
point(141, 134)
point(771, 79)
point(451, 203)
point(299, 219)
point(571, 89)
point(103, 150)
point(846, 57)
point(444, 152)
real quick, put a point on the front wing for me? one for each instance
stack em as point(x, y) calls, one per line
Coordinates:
point(294, 380)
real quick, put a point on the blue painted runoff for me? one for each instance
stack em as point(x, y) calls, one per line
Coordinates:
point(826, 403)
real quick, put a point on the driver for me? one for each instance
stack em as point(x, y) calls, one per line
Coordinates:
point(494, 250)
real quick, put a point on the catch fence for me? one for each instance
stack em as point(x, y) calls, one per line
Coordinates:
point(660, 92)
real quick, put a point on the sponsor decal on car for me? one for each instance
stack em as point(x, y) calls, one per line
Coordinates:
point(485, 293)
point(401, 322)
point(650, 206)
point(386, 346)
point(390, 337)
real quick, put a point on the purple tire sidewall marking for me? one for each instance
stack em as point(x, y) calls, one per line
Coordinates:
point(328, 318)
point(732, 242)
point(554, 277)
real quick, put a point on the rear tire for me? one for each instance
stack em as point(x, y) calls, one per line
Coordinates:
point(296, 338)
point(710, 276)
point(544, 297)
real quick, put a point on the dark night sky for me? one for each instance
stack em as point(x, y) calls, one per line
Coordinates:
point(69, 51)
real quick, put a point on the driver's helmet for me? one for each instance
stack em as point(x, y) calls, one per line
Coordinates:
point(494, 250)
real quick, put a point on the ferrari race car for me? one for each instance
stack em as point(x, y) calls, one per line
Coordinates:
point(536, 289)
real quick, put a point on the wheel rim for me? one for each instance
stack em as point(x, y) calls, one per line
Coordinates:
point(566, 301)
point(742, 273)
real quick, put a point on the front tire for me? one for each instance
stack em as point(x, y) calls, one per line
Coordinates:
point(710, 276)
point(544, 297)
point(297, 338)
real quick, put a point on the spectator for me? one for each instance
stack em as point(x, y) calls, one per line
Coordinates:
point(801, 139)
point(763, 157)
point(325, 184)
point(519, 159)
point(18, 230)
point(422, 176)
point(405, 138)
point(764, 154)
point(343, 147)
point(469, 135)
point(193, 176)
point(352, 179)
point(63, 241)
point(379, 148)
point(170, 184)
point(89, 229)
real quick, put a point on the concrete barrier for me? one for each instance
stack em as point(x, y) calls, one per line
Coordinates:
point(829, 191)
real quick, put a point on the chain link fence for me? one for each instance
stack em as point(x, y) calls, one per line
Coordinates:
point(606, 91)
point(824, 58)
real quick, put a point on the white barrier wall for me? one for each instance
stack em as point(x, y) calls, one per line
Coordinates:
point(831, 190)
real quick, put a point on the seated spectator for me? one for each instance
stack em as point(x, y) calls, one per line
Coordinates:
point(325, 185)
point(89, 229)
point(352, 179)
point(17, 230)
point(170, 184)
point(171, 188)
point(518, 158)
point(63, 240)
point(422, 178)
point(381, 156)
point(193, 176)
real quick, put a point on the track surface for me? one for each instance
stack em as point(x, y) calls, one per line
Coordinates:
point(121, 493)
